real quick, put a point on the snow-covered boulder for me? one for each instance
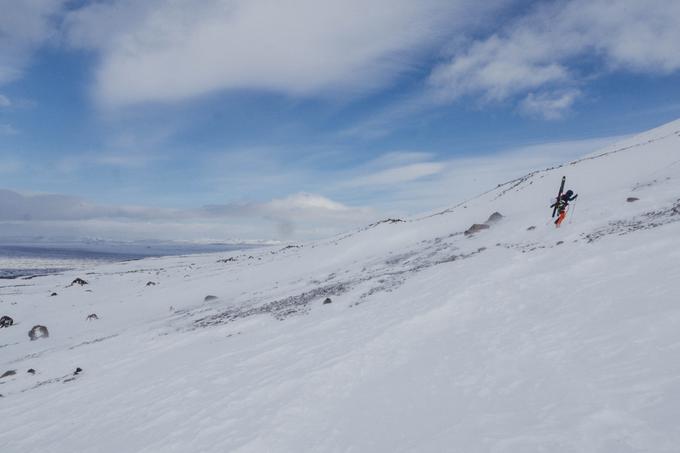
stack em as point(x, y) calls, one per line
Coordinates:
point(37, 332)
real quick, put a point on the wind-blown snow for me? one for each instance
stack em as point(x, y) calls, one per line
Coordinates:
point(508, 340)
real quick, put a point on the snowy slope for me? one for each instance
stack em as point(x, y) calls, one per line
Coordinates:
point(509, 340)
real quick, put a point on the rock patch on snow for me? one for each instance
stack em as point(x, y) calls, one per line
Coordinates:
point(6, 321)
point(78, 281)
point(495, 217)
point(476, 228)
point(38, 332)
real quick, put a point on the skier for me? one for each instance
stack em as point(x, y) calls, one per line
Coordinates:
point(562, 204)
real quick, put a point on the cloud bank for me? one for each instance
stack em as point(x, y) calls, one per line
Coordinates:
point(540, 55)
point(299, 215)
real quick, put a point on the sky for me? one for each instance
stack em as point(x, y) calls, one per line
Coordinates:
point(298, 119)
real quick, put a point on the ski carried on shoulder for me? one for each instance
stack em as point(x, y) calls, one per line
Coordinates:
point(559, 195)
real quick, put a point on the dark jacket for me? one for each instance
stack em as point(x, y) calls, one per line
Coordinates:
point(566, 197)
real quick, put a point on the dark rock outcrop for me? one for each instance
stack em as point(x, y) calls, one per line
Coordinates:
point(208, 298)
point(92, 317)
point(531, 228)
point(389, 221)
point(6, 321)
point(37, 332)
point(53, 294)
point(327, 301)
point(78, 281)
point(632, 199)
point(8, 373)
point(495, 217)
point(31, 371)
point(150, 283)
point(475, 228)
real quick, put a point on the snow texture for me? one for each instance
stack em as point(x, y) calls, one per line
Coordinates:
point(511, 339)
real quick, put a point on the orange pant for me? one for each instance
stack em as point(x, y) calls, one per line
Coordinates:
point(560, 218)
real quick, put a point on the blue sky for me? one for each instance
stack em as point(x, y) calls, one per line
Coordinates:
point(262, 119)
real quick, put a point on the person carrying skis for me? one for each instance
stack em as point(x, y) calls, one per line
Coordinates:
point(562, 205)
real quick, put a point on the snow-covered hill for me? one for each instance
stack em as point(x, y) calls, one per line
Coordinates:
point(519, 338)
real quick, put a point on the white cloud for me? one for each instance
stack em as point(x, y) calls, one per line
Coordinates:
point(551, 105)
point(128, 160)
point(542, 52)
point(496, 68)
point(24, 27)
point(17, 206)
point(305, 202)
point(4, 101)
point(165, 50)
point(397, 158)
point(397, 175)
point(298, 212)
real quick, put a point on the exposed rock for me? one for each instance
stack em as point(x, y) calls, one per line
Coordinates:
point(380, 222)
point(280, 309)
point(632, 199)
point(38, 332)
point(6, 321)
point(495, 217)
point(531, 228)
point(8, 373)
point(92, 317)
point(78, 281)
point(208, 298)
point(53, 294)
point(476, 227)
point(150, 283)
point(227, 260)
point(77, 371)
point(327, 301)
point(31, 371)
point(559, 243)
